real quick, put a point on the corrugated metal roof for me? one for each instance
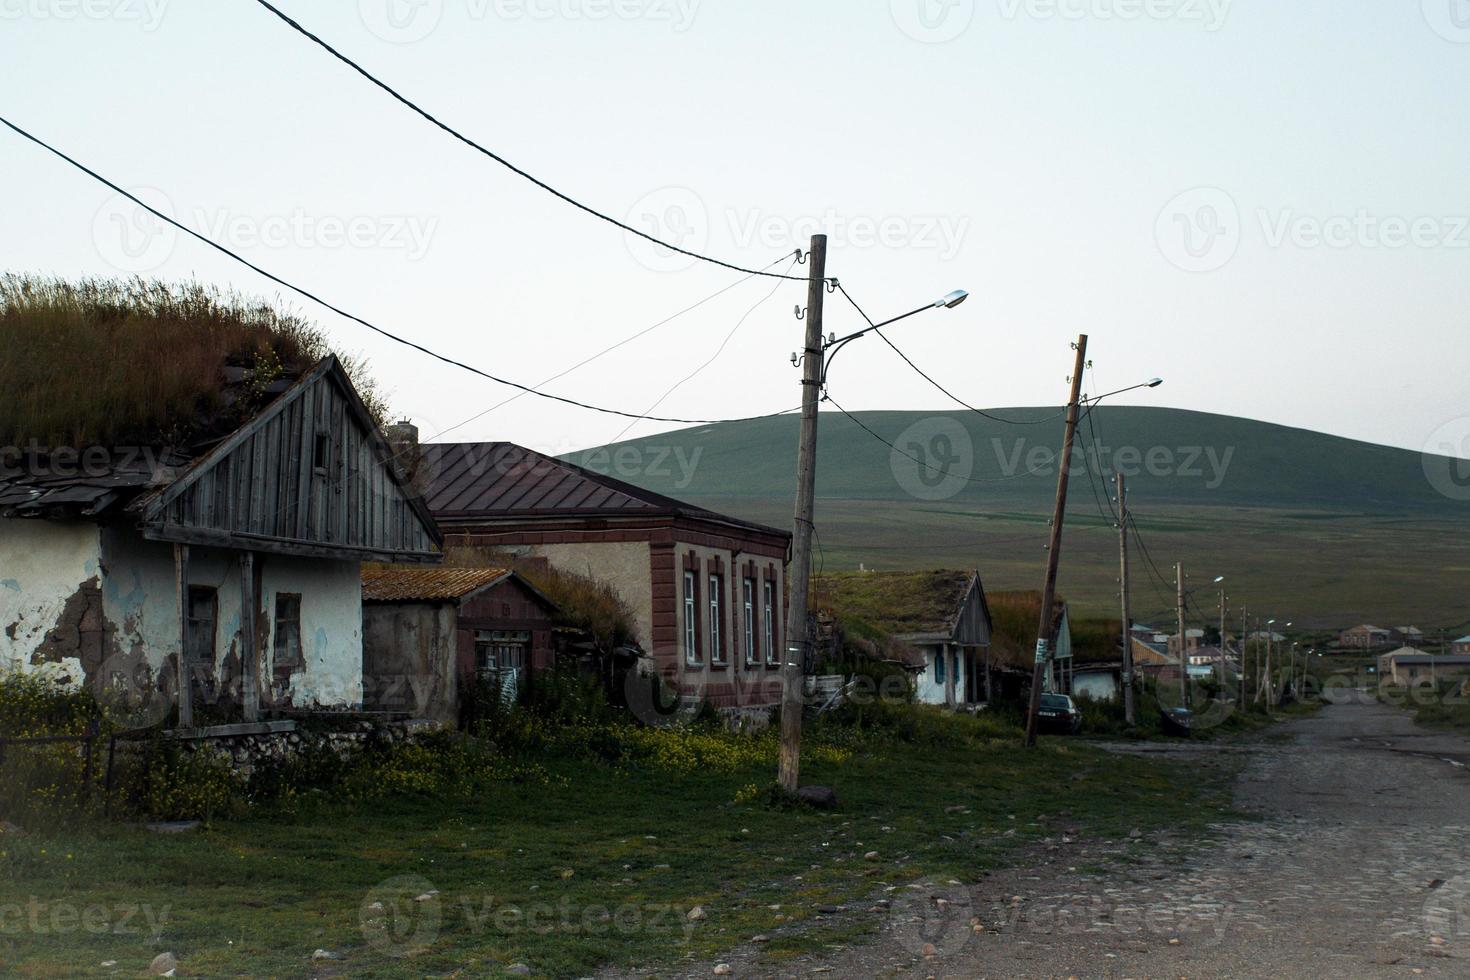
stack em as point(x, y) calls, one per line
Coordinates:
point(381, 583)
point(498, 480)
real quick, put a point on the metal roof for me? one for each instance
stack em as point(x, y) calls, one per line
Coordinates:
point(500, 480)
point(383, 583)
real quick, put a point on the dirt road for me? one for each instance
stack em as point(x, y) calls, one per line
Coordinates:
point(1359, 866)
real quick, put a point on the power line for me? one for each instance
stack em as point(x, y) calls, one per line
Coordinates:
point(606, 350)
point(711, 359)
point(927, 466)
point(921, 373)
point(527, 389)
point(409, 103)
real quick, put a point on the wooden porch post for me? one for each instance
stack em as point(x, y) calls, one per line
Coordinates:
point(181, 579)
point(249, 653)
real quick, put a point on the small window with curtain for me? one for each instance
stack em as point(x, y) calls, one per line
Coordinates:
point(768, 622)
point(939, 658)
point(287, 643)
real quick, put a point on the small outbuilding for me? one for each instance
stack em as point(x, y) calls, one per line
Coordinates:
point(429, 632)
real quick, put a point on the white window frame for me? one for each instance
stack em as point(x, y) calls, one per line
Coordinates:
point(716, 587)
point(769, 597)
point(752, 651)
point(691, 619)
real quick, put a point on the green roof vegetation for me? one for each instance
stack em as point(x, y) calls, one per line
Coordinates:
point(876, 605)
point(135, 361)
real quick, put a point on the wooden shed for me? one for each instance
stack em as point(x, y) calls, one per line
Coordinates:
point(427, 632)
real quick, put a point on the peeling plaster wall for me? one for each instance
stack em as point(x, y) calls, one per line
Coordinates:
point(141, 604)
point(409, 658)
point(45, 567)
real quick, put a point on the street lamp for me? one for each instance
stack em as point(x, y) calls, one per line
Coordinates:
point(834, 343)
point(814, 363)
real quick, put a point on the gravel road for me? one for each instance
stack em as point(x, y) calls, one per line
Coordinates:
point(1359, 866)
point(1356, 866)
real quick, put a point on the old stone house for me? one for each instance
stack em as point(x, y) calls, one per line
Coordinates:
point(222, 577)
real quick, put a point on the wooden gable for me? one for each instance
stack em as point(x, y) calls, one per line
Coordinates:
point(309, 475)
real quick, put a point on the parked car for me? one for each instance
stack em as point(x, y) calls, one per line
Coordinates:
point(1060, 714)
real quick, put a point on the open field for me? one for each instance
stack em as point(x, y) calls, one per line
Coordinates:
point(599, 866)
point(1324, 530)
point(1343, 568)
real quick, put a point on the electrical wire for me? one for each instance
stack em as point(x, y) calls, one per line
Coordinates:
point(606, 350)
point(467, 141)
point(527, 389)
point(945, 473)
point(711, 359)
point(921, 373)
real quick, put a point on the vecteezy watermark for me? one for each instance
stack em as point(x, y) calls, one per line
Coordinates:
point(1201, 230)
point(1362, 229)
point(933, 458)
point(1076, 916)
point(405, 914)
point(1208, 463)
point(408, 233)
point(1209, 14)
point(41, 917)
point(941, 234)
point(130, 238)
point(147, 14)
point(1450, 19)
point(933, 921)
point(134, 240)
point(679, 217)
point(407, 21)
point(674, 463)
point(1446, 459)
point(932, 21)
point(675, 215)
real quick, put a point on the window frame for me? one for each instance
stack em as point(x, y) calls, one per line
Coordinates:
point(768, 615)
point(210, 593)
point(284, 657)
point(752, 644)
point(691, 618)
point(941, 663)
point(716, 617)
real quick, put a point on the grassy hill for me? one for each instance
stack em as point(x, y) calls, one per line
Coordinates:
point(1308, 526)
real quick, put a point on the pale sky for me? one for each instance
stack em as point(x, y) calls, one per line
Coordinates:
point(1263, 202)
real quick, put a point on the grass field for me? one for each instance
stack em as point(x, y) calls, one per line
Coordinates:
point(1322, 530)
point(601, 866)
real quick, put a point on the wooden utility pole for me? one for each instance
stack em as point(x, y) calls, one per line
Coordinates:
point(1129, 713)
point(797, 638)
point(1179, 616)
point(1244, 633)
point(1045, 637)
point(1222, 646)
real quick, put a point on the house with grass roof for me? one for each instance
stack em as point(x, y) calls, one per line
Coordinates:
point(939, 622)
point(189, 485)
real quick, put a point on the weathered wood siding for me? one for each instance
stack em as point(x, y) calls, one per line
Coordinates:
point(267, 489)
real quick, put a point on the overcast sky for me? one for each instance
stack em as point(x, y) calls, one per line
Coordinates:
point(1264, 202)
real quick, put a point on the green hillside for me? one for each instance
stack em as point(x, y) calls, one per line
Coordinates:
point(1315, 527)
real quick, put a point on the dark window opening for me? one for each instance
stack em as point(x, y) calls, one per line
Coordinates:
point(321, 452)
point(203, 614)
point(287, 644)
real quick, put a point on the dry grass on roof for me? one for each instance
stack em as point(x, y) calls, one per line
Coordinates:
point(134, 361)
point(873, 605)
